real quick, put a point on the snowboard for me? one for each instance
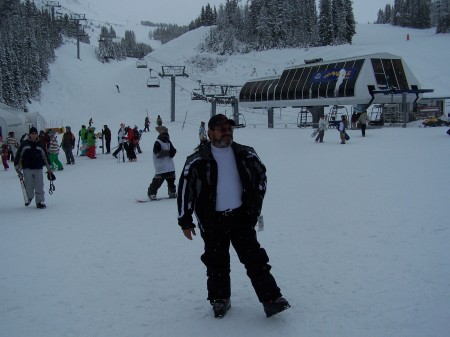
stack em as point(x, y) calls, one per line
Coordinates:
point(143, 200)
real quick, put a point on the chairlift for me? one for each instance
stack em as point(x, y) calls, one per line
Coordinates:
point(333, 120)
point(152, 81)
point(197, 95)
point(141, 63)
point(241, 124)
point(302, 118)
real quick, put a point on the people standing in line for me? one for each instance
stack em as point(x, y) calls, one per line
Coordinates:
point(362, 120)
point(106, 132)
point(203, 137)
point(147, 124)
point(159, 121)
point(342, 128)
point(120, 139)
point(323, 125)
point(31, 157)
point(13, 145)
point(163, 153)
point(83, 136)
point(53, 151)
point(224, 184)
point(68, 144)
point(90, 143)
point(5, 155)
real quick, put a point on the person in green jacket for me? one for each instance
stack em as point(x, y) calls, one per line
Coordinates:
point(90, 143)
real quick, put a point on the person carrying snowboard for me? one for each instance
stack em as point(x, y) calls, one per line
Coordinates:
point(323, 125)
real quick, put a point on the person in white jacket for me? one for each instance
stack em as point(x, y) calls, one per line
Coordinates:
point(323, 125)
point(163, 153)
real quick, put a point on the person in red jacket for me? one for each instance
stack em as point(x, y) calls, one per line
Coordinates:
point(130, 146)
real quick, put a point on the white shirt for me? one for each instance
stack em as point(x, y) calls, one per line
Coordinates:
point(229, 185)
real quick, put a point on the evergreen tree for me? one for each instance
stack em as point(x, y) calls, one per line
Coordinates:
point(326, 32)
point(350, 23)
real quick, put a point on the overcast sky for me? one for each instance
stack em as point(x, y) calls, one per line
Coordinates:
point(184, 11)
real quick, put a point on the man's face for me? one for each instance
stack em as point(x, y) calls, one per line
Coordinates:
point(221, 136)
point(33, 136)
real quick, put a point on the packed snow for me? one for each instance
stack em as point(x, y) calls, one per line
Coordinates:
point(357, 234)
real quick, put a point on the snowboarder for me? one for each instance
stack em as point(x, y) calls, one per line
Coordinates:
point(323, 125)
point(163, 153)
point(342, 127)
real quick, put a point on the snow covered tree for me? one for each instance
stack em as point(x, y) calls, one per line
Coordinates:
point(326, 31)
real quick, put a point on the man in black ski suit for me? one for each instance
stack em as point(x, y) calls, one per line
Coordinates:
point(224, 183)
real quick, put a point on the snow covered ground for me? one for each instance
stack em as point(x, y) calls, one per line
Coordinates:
point(357, 234)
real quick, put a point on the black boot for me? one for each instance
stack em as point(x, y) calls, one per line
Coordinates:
point(220, 307)
point(274, 307)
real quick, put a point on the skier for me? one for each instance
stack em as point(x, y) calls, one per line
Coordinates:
point(31, 157)
point(120, 139)
point(147, 124)
point(163, 153)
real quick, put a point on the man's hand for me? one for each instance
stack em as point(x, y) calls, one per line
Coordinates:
point(189, 232)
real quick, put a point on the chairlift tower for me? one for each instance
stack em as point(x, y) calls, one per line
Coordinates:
point(53, 5)
point(173, 72)
point(77, 18)
point(224, 94)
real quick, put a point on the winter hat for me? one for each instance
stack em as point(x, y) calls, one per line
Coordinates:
point(219, 120)
point(162, 129)
point(32, 130)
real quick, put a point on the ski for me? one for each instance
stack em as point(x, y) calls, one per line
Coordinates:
point(24, 190)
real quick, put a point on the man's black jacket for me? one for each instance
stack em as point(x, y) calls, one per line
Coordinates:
point(198, 184)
